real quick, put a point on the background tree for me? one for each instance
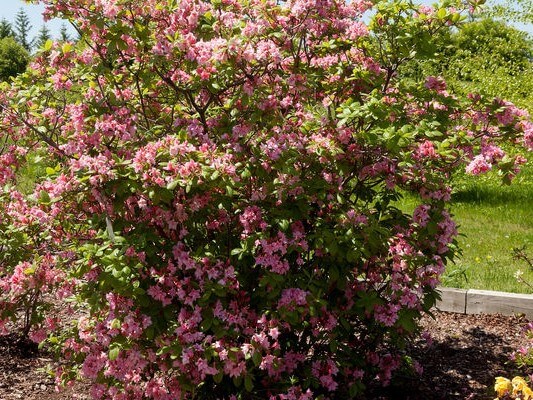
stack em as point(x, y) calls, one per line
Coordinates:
point(517, 11)
point(494, 57)
point(6, 29)
point(22, 30)
point(43, 36)
point(13, 58)
point(485, 55)
point(63, 34)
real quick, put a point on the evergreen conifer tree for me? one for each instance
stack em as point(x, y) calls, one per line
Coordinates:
point(6, 30)
point(63, 34)
point(22, 29)
point(43, 36)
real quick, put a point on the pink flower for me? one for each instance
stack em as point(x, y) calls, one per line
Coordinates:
point(426, 149)
point(421, 215)
point(234, 369)
point(273, 333)
point(290, 298)
point(93, 364)
point(528, 134)
point(492, 153)
point(436, 83)
point(251, 219)
point(204, 369)
point(325, 372)
point(38, 335)
point(386, 314)
point(478, 166)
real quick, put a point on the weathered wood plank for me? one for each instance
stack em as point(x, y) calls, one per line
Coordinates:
point(452, 300)
point(488, 302)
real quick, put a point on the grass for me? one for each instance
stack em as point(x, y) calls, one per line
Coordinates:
point(493, 219)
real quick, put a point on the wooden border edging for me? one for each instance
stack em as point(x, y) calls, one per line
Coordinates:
point(452, 300)
point(474, 301)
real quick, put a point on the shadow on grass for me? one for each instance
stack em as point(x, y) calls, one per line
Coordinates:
point(494, 195)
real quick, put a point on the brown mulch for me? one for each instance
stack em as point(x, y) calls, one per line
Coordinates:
point(467, 353)
point(23, 373)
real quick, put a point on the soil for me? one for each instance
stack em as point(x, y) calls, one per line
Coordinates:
point(466, 354)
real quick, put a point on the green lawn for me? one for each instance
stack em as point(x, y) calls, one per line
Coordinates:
point(493, 219)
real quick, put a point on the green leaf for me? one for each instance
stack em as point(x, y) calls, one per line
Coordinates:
point(149, 332)
point(248, 383)
point(48, 45)
point(114, 353)
point(44, 197)
point(115, 324)
point(172, 185)
point(284, 224)
point(246, 173)
point(407, 323)
point(237, 381)
point(257, 358)
point(235, 252)
point(207, 322)
point(218, 377)
point(169, 314)
point(66, 47)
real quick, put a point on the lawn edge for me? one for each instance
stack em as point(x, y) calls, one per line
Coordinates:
point(474, 301)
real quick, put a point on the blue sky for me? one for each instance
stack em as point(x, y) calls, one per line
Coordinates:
point(9, 8)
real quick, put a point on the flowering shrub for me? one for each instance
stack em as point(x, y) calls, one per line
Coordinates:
point(217, 204)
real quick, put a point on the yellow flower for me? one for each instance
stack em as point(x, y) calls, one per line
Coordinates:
point(503, 386)
point(518, 384)
point(520, 387)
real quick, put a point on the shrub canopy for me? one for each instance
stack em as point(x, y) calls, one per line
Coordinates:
point(216, 197)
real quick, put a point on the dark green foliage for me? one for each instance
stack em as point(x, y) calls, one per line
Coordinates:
point(13, 58)
point(6, 30)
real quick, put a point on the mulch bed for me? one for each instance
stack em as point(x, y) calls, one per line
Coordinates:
point(467, 353)
point(23, 374)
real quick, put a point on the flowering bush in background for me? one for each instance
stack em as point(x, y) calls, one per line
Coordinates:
point(216, 200)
